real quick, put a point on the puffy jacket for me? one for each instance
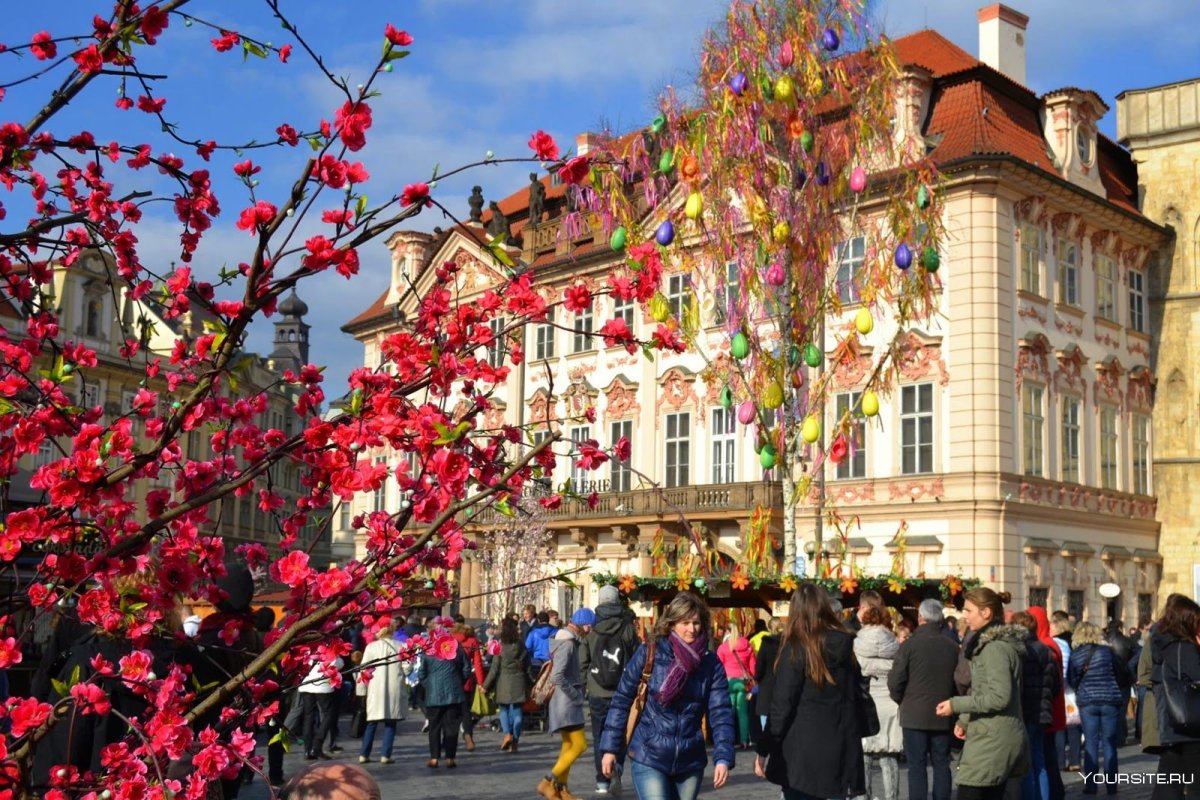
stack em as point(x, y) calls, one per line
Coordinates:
point(737, 658)
point(538, 641)
point(1174, 661)
point(443, 679)
point(995, 748)
point(1041, 683)
point(1098, 677)
point(1058, 712)
point(670, 738)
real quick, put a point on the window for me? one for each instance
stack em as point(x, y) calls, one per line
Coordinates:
point(1068, 273)
point(916, 429)
point(89, 395)
point(543, 340)
point(1145, 605)
point(679, 294)
point(579, 476)
point(1039, 596)
point(47, 454)
point(1108, 448)
point(854, 466)
point(582, 340)
point(622, 473)
point(1033, 424)
point(1075, 603)
point(379, 496)
point(1106, 288)
point(496, 346)
point(1137, 300)
point(679, 457)
point(1141, 454)
point(1031, 258)
point(849, 269)
point(1070, 440)
point(344, 516)
point(723, 445)
point(726, 294)
point(92, 313)
point(623, 309)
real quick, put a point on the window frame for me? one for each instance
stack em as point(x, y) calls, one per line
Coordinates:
point(625, 309)
point(379, 496)
point(578, 434)
point(497, 348)
point(1109, 450)
point(582, 331)
point(723, 444)
point(1033, 429)
point(851, 265)
point(1140, 453)
point(1030, 258)
point(726, 293)
point(679, 290)
point(915, 417)
point(544, 336)
point(677, 461)
point(1137, 300)
point(853, 467)
point(1068, 273)
point(1070, 431)
point(620, 477)
point(1106, 285)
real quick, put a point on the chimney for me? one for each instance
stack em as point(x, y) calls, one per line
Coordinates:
point(1002, 40)
point(584, 142)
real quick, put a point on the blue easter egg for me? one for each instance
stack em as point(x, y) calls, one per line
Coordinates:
point(903, 256)
point(739, 83)
point(830, 40)
point(665, 233)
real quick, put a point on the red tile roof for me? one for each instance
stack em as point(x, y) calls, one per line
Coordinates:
point(929, 49)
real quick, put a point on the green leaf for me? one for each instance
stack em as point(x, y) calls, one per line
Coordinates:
point(356, 403)
point(566, 580)
point(499, 252)
point(314, 143)
point(396, 55)
point(249, 48)
point(362, 205)
point(504, 508)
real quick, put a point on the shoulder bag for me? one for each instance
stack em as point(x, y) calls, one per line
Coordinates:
point(639, 699)
point(543, 687)
point(751, 688)
point(1183, 698)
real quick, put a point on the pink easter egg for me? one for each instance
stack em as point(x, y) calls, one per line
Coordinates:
point(858, 179)
point(775, 275)
point(746, 412)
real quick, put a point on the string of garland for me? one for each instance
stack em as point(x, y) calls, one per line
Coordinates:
point(948, 587)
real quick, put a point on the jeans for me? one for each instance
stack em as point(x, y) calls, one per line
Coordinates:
point(313, 739)
point(1036, 783)
point(1101, 726)
point(654, 785)
point(1050, 755)
point(443, 729)
point(889, 766)
point(1067, 741)
point(923, 748)
point(599, 710)
point(512, 717)
point(389, 736)
point(741, 710)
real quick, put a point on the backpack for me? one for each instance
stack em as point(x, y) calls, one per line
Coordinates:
point(543, 687)
point(608, 659)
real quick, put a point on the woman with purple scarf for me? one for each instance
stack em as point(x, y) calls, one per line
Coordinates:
point(687, 682)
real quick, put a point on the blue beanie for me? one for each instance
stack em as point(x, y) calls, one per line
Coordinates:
point(584, 616)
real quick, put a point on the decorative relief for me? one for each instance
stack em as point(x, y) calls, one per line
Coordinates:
point(678, 390)
point(621, 400)
point(472, 275)
point(1068, 225)
point(1029, 312)
point(916, 490)
point(542, 408)
point(1031, 209)
point(918, 356)
point(1067, 326)
point(1105, 339)
point(1082, 498)
point(461, 409)
point(721, 372)
point(1135, 256)
point(1106, 242)
point(579, 395)
point(856, 493)
point(1138, 348)
point(851, 372)
point(1033, 360)
point(493, 418)
point(1068, 376)
point(622, 361)
point(1108, 381)
point(579, 372)
point(1140, 391)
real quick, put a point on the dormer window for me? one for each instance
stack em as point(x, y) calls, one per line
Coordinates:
point(1084, 144)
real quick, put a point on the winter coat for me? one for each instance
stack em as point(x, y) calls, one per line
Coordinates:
point(1041, 682)
point(1151, 742)
point(385, 690)
point(764, 671)
point(509, 675)
point(443, 679)
point(1058, 711)
point(538, 642)
point(316, 681)
point(1175, 661)
point(670, 738)
point(737, 658)
point(923, 676)
point(813, 739)
point(474, 653)
point(613, 621)
point(1122, 645)
point(995, 748)
point(962, 672)
point(566, 704)
point(1098, 677)
point(875, 647)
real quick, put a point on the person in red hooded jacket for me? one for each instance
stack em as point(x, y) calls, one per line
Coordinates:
point(1058, 718)
point(465, 635)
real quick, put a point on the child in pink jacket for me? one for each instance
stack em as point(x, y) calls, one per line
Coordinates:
point(737, 657)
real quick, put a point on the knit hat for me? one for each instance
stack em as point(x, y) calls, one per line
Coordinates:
point(609, 594)
point(584, 616)
point(334, 782)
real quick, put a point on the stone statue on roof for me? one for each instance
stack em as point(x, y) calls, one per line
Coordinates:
point(537, 199)
point(475, 203)
point(499, 225)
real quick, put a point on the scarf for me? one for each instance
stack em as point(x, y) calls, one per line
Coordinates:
point(683, 663)
point(974, 639)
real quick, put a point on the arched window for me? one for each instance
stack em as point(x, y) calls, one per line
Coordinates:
point(291, 336)
point(93, 308)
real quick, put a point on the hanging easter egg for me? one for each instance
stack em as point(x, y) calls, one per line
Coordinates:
point(903, 256)
point(864, 322)
point(812, 355)
point(773, 396)
point(698, 583)
point(665, 233)
point(781, 231)
point(807, 141)
point(667, 161)
point(801, 178)
point(660, 309)
point(740, 346)
point(784, 88)
point(775, 275)
point(810, 431)
point(766, 87)
point(922, 197)
point(797, 378)
point(858, 179)
point(739, 83)
point(870, 403)
point(617, 241)
point(822, 174)
point(767, 456)
point(794, 355)
point(658, 124)
point(694, 205)
point(726, 397)
point(930, 259)
point(786, 56)
point(830, 40)
point(746, 412)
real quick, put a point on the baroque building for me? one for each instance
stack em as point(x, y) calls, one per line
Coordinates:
point(1161, 126)
point(1016, 447)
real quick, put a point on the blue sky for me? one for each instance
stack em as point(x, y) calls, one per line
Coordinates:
point(483, 76)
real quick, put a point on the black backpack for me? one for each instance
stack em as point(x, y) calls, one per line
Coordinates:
point(608, 659)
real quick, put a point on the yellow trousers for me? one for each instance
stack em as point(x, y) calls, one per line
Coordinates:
point(574, 744)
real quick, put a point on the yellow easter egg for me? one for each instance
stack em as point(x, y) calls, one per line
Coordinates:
point(870, 403)
point(694, 206)
point(810, 431)
point(781, 231)
point(864, 322)
point(773, 395)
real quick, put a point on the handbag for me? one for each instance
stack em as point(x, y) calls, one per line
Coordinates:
point(868, 715)
point(543, 687)
point(639, 699)
point(1183, 699)
point(1073, 717)
point(748, 681)
point(482, 704)
point(358, 723)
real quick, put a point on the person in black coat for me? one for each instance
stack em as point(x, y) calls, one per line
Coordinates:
point(764, 668)
point(1175, 653)
point(1041, 681)
point(812, 744)
point(922, 676)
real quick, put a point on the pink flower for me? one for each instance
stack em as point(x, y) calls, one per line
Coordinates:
point(622, 449)
point(575, 170)
point(352, 121)
point(284, 52)
point(292, 569)
point(27, 714)
point(90, 699)
point(838, 450)
point(543, 146)
point(577, 298)
point(444, 647)
point(10, 652)
point(88, 59)
point(398, 38)
point(416, 193)
point(43, 46)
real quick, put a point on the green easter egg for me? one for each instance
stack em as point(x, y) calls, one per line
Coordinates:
point(812, 355)
point(739, 348)
point(767, 456)
point(930, 259)
point(698, 583)
point(617, 242)
point(922, 197)
point(667, 161)
point(807, 141)
point(727, 397)
point(658, 124)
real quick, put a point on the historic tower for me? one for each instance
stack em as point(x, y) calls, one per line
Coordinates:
point(291, 335)
point(1161, 126)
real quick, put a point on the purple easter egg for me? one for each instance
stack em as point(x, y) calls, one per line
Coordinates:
point(903, 256)
point(739, 83)
point(830, 40)
point(665, 233)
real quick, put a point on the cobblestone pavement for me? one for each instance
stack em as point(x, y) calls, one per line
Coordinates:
point(489, 773)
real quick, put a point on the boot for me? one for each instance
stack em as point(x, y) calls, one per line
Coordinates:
point(506, 742)
point(564, 793)
point(513, 747)
point(470, 743)
point(548, 788)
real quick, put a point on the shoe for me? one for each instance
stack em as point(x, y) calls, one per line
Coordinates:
point(385, 760)
point(425, 727)
point(451, 763)
point(565, 794)
point(277, 782)
point(513, 748)
point(310, 756)
point(1073, 768)
point(601, 788)
point(470, 740)
point(548, 789)
point(364, 760)
point(507, 742)
point(614, 784)
point(431, 763)
point(333, 748)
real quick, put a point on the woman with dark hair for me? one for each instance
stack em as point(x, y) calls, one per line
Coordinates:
point(687, 682)
point(509, 679)
point(990, 721)
point(812, 743)
point(1175, 646)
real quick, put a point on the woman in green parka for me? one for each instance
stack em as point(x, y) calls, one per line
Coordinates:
point(990, 723)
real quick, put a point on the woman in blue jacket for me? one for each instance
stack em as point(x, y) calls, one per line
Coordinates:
point(686, 683)
point(1101, 681)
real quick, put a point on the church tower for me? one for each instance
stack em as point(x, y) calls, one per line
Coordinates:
point(291, 335)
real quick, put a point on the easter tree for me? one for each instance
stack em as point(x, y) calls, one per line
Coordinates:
point(128, 524)
point(783, 192)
